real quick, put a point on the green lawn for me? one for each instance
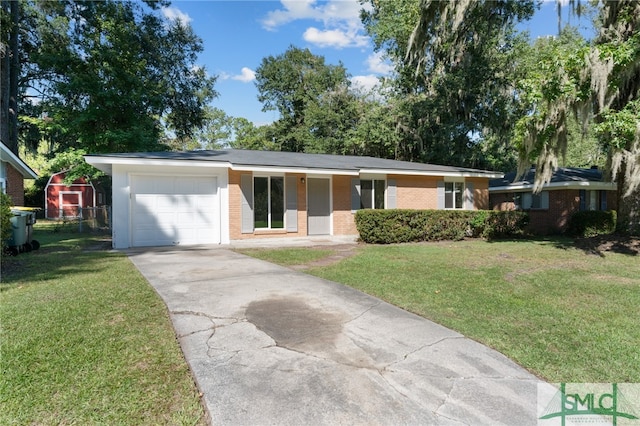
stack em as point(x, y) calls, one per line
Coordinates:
point(564, 314)
point(86, 340)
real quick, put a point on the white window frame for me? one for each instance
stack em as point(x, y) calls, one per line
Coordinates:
point(373, 180)
point(284, 205)
point(454, 184)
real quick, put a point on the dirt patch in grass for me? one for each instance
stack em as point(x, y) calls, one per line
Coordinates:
point(609, 243)
point(341, 251)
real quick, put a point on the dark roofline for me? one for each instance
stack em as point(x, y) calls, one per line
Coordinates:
point(279, 159)
point(562, 176)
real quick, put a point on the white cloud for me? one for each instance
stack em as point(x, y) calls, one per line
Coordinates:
point(175, 14)
point(334, 38)
point(246, 75)
point(376, 63)
point(340, 18)
point(365, 82)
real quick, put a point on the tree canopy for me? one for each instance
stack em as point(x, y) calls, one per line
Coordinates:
point(103, 76)
point(288, 83)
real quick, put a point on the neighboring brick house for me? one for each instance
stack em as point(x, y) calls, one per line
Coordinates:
point(213, 197)
point(570, 190)
point(13, 172)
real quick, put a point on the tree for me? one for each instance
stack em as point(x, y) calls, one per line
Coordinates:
point(9, 73)
point(599, 83)
point(111, 73)
point(456, 71)
point(288, 83)
point(543, 66)
point(215, 132)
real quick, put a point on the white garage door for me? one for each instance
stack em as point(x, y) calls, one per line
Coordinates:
point(174, 210)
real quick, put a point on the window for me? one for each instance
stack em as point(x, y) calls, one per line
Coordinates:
point(531, 201)
point(453, 195)
point(268, 195)
point(372, 194)
point(592, 200)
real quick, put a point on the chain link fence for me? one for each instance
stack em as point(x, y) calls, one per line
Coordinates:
point(85, 219)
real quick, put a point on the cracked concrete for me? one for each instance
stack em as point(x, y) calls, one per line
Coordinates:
point(268, 345)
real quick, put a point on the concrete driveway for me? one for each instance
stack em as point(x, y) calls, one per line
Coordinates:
point(268, 345)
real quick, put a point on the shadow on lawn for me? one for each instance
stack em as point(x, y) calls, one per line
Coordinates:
point(602, 244)
point(59, 254)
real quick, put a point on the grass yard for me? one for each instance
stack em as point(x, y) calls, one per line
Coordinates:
point(559, 311)
point(86, 340)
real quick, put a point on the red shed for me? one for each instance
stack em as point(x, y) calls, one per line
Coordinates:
point(67, 200)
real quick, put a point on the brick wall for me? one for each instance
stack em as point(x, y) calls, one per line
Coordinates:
point(563, 204)
point(480, 193)
point(343, 219)
point(416, 192)
point(15, 185)
point(235, 211)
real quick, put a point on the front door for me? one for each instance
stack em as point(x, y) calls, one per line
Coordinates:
point(319, 206)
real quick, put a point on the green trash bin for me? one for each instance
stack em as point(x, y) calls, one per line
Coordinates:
point(18, 238)
point(30, 214)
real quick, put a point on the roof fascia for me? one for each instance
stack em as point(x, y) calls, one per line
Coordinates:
point(16, 162)
point(98, 161)
point(274, 169)
point(558, 185)
point(489, 175)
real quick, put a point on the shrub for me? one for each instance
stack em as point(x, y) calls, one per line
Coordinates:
point(401, 226)
point(5, 218)
point(591, 223)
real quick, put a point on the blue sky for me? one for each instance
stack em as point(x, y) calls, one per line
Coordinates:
point(238, 34)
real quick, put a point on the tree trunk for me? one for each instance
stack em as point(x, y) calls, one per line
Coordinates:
point(4, 82)
point(14, 71)
point(628, 207)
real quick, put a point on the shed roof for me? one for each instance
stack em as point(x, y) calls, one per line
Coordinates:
point(293, 161)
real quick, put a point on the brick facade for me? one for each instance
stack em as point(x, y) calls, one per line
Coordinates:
point(15, 185)
point(412, 192)
point(563, 203)
point(343, 218)
point(416, 192)
point(235, 210)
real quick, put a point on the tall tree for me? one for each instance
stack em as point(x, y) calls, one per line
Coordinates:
point(112, 72)
point(9, 73)
point(288, 83)
point(544, 65)
point(599, 83)
point(457, 66)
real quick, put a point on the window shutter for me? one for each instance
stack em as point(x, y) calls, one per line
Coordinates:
point(603, 200)
point(440, 187)
point(391, 194)
point(468, 196)
point(583, 200)
point(527, 201)
point(355, 194)
point(292, 203)
point(544, 200)
point(246, 187)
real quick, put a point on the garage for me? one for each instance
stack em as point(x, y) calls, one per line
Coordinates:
point(174, 210)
